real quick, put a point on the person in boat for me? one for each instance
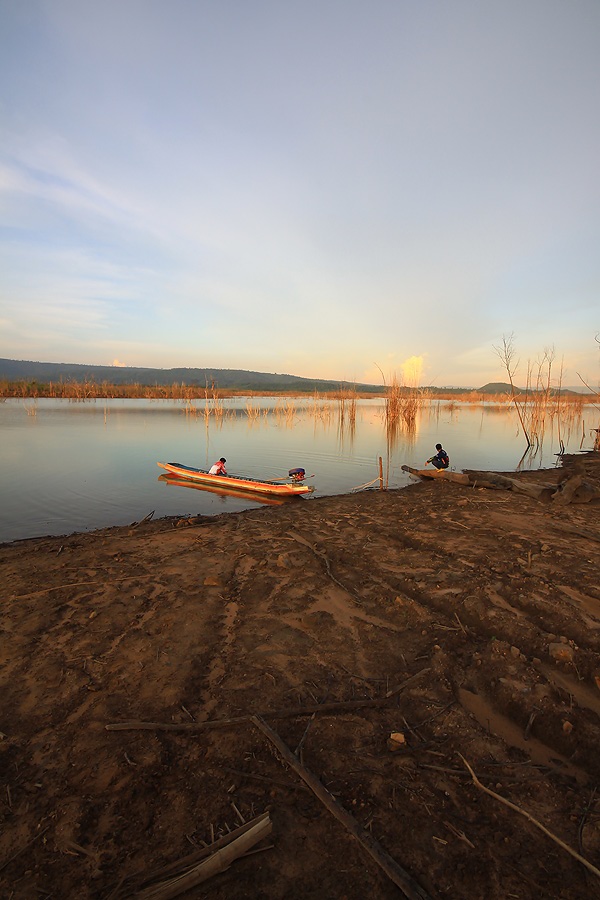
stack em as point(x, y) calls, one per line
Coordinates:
point(218, 468)
point(441, 460)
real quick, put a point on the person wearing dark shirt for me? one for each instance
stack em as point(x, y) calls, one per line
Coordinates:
point(441, 460)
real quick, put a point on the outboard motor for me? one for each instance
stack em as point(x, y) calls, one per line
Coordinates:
point(297, 474)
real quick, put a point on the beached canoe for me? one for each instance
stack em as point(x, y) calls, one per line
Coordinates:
point(236, 482)
point(443, 474)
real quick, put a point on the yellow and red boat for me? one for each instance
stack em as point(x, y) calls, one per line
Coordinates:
point(237, 482)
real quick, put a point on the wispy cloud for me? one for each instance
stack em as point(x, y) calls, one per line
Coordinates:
point(262, 187)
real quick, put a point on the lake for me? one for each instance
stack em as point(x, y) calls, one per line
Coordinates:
point(79, 465)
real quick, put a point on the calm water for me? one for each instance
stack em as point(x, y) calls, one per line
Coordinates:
point(73, 466)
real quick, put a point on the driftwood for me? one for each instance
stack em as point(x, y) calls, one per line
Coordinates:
point(133, 883)
point(585, 493)
point(400, 877)
point(289, 713)
point(537, 491)
point(217, 862)
point(441, 474)
point(572, 490)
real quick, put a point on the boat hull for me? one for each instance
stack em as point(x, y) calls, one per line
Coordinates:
point(248, 485)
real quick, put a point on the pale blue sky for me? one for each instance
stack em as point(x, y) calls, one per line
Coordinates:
point(314, 188)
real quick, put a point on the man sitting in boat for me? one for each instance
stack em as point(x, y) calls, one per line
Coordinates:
point(441, 460)
point(218, 468)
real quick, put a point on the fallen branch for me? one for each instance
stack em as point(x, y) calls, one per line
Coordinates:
point(588, 865)
point(73, 584)
point(289, 713)
point(321, 555)
point(291, 785)
point(216, 863)
point(142, 879)
point(494, 479)
point(572, 490)
point(392, 869)
point(145, 519)
point(25, 847)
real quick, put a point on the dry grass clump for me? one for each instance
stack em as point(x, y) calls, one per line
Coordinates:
point(402, 404)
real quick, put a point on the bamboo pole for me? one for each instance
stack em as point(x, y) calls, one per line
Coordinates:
point(399, 876)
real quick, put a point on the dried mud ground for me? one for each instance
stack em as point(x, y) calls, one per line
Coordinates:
point(493, 597)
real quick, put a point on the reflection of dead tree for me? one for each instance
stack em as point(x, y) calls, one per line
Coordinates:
point(593, 392)
point(506, 353)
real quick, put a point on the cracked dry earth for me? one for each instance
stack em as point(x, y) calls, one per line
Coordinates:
point(491, 598)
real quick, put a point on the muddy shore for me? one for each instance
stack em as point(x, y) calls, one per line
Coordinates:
point(464, 621)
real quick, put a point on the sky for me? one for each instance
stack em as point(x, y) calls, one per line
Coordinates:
point(331, 189)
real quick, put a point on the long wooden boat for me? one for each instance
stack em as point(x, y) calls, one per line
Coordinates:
point(443, 474)
point(236, 482)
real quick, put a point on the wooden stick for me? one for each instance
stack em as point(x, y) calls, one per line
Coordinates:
point(214, 865)
point(59, 587)
point(395, 872)
point(290, 713)
point(589, 866)
point(185, 862)
point(28, 844)
point(254, 777)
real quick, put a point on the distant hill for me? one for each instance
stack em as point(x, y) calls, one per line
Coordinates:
point(499, 387)
point(496, 387)
point(226, 379)
point(33, 373)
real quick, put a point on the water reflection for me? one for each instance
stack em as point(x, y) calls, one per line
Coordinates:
point(71, 466)
point(225, 492)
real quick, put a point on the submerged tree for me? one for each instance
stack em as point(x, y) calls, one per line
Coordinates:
point(506, 352)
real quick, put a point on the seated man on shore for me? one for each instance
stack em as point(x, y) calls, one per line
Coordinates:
point(218, 468)
point(441, 460)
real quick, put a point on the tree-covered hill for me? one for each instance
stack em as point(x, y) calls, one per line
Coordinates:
point(12, 370)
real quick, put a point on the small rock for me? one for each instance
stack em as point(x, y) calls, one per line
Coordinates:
point(396, 741)
point(567, 727)
point(515, 652)
point(213, 581)
point(561, 652)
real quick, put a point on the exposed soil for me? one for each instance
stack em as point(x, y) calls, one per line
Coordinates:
point(494, 594)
